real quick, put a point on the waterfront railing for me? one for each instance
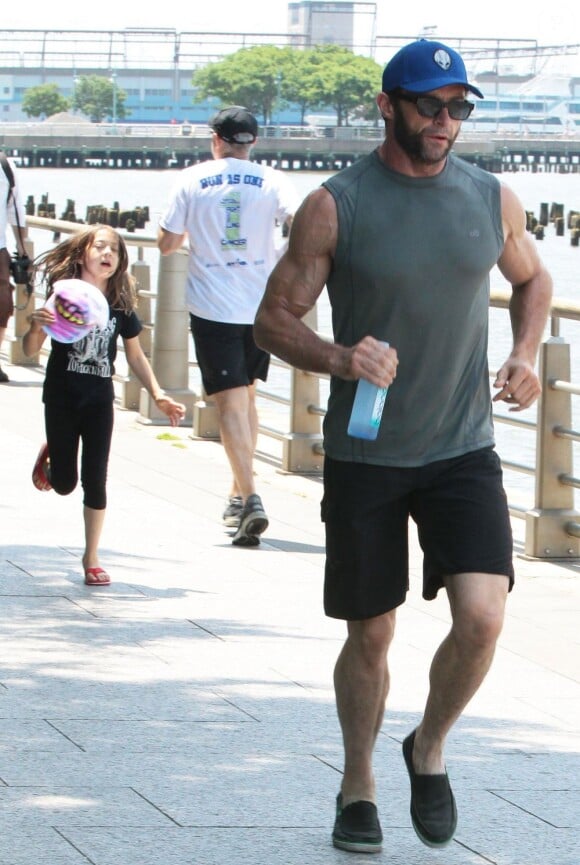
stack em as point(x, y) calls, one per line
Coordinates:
point(123, 145)
point(291, 414)
point(374, 131)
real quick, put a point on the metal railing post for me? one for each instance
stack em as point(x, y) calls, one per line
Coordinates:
point(300, 452)
point(205, 420)
point(546, 535)
point(130, 386)
point(170, 343)
point(142, 273)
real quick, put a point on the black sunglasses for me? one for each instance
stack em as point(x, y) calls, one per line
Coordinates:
point(431, 106)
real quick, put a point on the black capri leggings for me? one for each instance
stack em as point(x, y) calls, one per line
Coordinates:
point(65, 428)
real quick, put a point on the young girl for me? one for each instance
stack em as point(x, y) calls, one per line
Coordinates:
point(78, 391)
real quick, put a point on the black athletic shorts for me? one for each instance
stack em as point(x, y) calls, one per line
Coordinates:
point(462, 517)
point(227, 355)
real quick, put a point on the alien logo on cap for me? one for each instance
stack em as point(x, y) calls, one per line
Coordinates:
point(442, 59)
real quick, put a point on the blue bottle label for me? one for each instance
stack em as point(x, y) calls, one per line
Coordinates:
point(378, 406)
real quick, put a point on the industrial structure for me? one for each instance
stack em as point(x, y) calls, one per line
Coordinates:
point(528, 87)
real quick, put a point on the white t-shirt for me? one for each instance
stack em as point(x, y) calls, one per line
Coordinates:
point(229, 208)
point(7, 211)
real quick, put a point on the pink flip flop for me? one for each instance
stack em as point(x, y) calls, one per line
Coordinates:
point(96, 577)
point(40, 472)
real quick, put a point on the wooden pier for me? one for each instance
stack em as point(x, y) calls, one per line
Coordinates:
point(291, 148)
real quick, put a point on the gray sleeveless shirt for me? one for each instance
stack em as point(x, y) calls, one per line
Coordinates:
point(412, 268)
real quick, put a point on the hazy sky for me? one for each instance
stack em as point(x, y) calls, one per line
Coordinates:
point(557, 22)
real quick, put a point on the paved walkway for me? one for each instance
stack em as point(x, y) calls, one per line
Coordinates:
point(186, 715)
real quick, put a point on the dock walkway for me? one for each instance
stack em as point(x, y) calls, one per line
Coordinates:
point(293, 148)
point(185, 714)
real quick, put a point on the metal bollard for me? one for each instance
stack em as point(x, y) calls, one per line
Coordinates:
point(130, 395)
point(302, 445)
point(546, 534)
point(170, 339)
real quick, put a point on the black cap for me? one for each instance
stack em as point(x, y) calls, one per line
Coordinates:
point(235, 124)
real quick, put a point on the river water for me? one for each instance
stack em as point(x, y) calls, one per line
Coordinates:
point(132, 188)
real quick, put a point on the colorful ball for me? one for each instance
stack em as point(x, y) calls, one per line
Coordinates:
point(78, 307)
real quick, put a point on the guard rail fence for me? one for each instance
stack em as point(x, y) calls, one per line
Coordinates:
point(552, 523)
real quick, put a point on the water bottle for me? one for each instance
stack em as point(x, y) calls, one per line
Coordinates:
point(367, 410)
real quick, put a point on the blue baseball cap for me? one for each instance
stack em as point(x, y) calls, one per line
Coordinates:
point(425, 65)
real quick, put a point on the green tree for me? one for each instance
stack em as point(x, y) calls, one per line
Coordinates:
point(98, 98)
point(252, 77)
point(300, 83)
point(346, 82)
point(265, 78)
point(44, 100)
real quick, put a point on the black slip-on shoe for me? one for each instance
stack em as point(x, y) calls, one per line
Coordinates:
point(357, 828)
point(433, 810)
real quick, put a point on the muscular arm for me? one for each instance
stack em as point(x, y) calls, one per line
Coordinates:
point(295, 285)
point(292, 290)
point(529, 305)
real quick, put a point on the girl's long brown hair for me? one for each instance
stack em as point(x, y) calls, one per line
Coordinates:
point(65, 262)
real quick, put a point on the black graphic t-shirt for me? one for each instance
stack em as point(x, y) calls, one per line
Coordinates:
point(81, 373)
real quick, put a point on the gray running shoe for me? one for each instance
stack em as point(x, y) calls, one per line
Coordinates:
point(231, 515)
point(253, 521)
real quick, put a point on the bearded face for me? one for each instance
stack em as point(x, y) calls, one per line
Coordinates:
point(425, 142)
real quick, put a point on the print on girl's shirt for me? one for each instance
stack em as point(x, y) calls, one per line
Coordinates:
point(90, 355)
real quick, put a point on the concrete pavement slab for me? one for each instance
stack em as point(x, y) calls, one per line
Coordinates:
point(185, 714)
